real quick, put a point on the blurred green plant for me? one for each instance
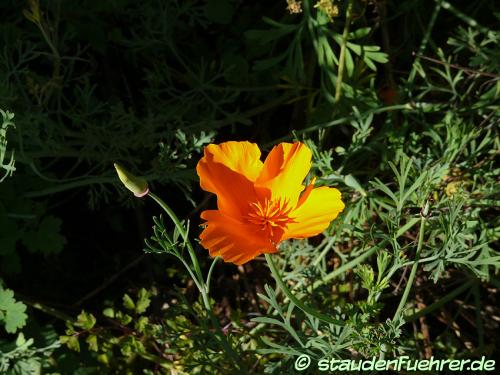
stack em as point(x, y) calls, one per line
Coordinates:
point(23, 357)
point(8, 168)
point(335, 51)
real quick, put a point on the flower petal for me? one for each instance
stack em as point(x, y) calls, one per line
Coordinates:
point(240, 157)
point(305, 194)
point(235, 241)
point(315, 213)
point(284, 170)
point(228, 170)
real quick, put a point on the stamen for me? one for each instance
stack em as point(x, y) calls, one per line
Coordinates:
point(270, 215)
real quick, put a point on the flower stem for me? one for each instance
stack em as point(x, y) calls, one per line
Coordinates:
point(184, 234)
point(209, 275)
point(343, 47)
point(413, 272)
point(308, 310)
point(199, 281)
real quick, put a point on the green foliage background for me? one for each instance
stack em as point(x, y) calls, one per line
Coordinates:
point(399, 102)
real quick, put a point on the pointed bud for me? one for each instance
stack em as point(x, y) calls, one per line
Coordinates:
point(136, 185)
point(33, 14)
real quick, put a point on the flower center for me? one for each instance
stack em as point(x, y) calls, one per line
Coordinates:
point(270, 216)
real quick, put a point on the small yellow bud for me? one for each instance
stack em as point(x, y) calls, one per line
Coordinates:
point(452, 188)
point(136, 185)
point(294, 6)
point(328, 7)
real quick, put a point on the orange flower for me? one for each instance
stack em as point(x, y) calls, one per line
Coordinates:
point(261, 204)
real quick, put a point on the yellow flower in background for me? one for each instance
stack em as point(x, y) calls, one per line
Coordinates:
point(260, 203)
point(328, 7)
point(294, 6)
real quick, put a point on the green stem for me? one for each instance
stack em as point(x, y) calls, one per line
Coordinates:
point(57, 57)
point(464, 17)
point(479, 321)
point(346, 119)
point(425, 40)
point(46, 309)
point(209, 276)
point(184, 234)
point(330, 276)
point(413, 272)
point(70, 185)
point(199, 285)
point(295, 300)
point(343, 47)
point(325, 251)
point(199, 281)
point(218, 332)
point(48, 40)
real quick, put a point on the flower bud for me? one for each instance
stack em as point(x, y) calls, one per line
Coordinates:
point(136, 185)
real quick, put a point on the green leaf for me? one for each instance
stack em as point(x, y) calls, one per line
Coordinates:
point(264, 36)
point(379, 57)
point(103, 358)
point(369, 63)
point(128, 303)
point(85, 320)
point(71, 342)
point(381, 186)
point(141, 324)
point(123, 318)
point(266, 320)
point(270, 62)
point(47, 238)
point(352, 182)
point(349, 63)
point(109, 312)
point(20, 341)
point(360, 33)
point(366, 274)
point(92, 341)
point(410, 223)
point(9, 167)
point(12, 313)
point(143, 301)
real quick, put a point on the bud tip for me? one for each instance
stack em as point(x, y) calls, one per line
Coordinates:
point(136, 185)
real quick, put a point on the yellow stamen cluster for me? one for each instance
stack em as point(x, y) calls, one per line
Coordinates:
point(294, 6)
point(328, 7)
point(269, 215)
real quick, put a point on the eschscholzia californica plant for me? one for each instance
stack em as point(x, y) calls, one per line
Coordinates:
point(260, 203)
